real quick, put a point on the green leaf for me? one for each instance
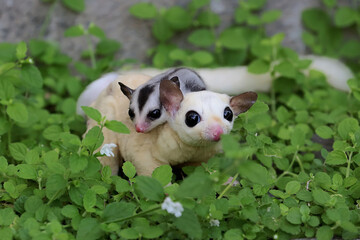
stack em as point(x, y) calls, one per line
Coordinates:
point(52, 132)
point(75, 31)
point(321, 197)
point(143, 10)
point(92, 113)
point(99, 189)
point(3, 164)
point(89, 229)
point(188, 189)
point(94, 138)
point(254, 172)
point(294, 216)
point(77, 163)
point(21, 50)
point(286, 69)
point(345, 16)
point(117, 126)
point(255, 4)
point(178, 18)
point(323, 180)
point(208, 19)
point(258, 66)
point(292, 187)
point(298, 137)
point(107, 47)
point(329, 3)
point(202, 58)
point(324, 233)
point(18, 151)
point(8, 216)
point(233, 38)
point(31, 77)
point(70, 211)
point(189, 224)
point(233, 234)
point(315, 19)
point(117, 210)
point(89, 200)
point(163, 174)
point(55, 186)
point(336, 157)
point(26, 171)
point(324, 132)
point(75, 5)
point(6, 234)
point(270, 16)
point(18, 112)
point(150, 188)
point(129, 169)
point(202, 38)
point(6, 67)
point(32, 204)
point(96, 31)
point(348, 126)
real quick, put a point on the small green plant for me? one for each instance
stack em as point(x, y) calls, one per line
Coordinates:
point(275, 179)
point(230, 47)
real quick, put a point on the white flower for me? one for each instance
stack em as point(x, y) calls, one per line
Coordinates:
point(214, 223)
point(172, 207)
point(107, 149)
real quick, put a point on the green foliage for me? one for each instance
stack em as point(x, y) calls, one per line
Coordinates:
point(199, 23)
point(290, 186)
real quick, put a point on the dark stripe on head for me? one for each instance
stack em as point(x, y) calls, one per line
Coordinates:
point(144, 95)
point(193, 87)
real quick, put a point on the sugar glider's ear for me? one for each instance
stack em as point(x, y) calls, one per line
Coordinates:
point(126, 90)
point(241, 103)
point(170, 96)
point(175, 79)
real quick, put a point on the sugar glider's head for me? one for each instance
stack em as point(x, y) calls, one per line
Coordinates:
point(200, 118)
point(145, 109)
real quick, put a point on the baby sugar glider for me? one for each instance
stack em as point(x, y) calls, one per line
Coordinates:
point(145, 109)
point(194, 124)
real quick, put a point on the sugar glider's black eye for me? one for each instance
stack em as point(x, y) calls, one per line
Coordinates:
point(192, 118)
point(228, 114)
point(155, 114)
point(131, 114)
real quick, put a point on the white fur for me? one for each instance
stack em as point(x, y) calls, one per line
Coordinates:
point(173, 143)
point(232, 80)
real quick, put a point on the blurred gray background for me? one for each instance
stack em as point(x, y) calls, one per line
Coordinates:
point(22, 20)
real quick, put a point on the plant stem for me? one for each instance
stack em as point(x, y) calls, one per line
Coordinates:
point(46, 23)
point(228, 186)
point(134, 216)
point(91, 50)
point(290, 166)
point(348, 165)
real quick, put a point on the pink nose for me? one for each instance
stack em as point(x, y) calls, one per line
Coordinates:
point(215, 132)
point(140, 129)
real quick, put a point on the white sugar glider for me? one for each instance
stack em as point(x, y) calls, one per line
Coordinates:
point(191, 134)
point(145, 109)
point(231, 80)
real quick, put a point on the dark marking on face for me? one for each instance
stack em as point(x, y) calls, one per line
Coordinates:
point(194, 87)
point(144, 95)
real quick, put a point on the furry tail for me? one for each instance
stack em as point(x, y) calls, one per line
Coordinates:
point(93, 90)
point(230, 80)
point(235, 80)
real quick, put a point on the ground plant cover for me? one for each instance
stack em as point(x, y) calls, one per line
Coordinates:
point(290, 168)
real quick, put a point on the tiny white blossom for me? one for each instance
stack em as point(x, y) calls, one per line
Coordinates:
point(107, 149)
point(172, 207)
point(214, 223)
point(276, 236)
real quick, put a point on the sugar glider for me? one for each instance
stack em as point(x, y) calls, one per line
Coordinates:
point(195, 122)
point(232, 80)
point(145, 109)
